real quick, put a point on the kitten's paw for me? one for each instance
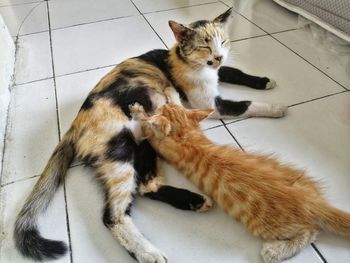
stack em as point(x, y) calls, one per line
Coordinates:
point(152, 255)
point(271, 84)
point(137, 110)
point(208, 203)
point(278, 110)
point(270, 253)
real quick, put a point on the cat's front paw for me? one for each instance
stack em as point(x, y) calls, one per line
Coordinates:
point(137, 110)
point(278, 110)
point(206, 205)
point(271, 84)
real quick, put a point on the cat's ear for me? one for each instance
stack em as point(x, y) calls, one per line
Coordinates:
point(224, 17)
point(180, 31)
point(199, 115)
point(159, 125)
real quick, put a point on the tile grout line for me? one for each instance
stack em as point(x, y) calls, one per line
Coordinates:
point(10, 5)
point(319, 98)
point(13, 80)
point(234, 138)
point(149, 24)
point(318, 252)
point(113, 18)
point(272, 36)
point(20, 180)
point(300, 103)
point(37, 175)
point(59, 135)
point(181, 7)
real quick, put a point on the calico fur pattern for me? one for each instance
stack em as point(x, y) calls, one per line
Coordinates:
point(274, 201)
point(103, 134)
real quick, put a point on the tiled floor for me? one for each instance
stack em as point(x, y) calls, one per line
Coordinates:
point(64, 47)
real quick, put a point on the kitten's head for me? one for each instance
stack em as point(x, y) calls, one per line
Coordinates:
point(203, 42)
point(173, 120)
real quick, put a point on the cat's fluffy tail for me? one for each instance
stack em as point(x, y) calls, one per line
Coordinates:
point(26, 234)
point(333, 220)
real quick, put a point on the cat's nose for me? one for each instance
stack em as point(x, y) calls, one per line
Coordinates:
point(218, 58)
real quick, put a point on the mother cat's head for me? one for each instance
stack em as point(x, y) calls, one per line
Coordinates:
point(203, 42)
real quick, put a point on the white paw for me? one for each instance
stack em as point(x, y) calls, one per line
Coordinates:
point(278, 110)
point(271, 84)
point(270, 254)
point(136, 110)
point(206, 205)
point(152, 255)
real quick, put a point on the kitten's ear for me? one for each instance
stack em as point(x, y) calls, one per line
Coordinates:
point(160, 126)
point(199, 115)
point(180, 31)
point(224, 17)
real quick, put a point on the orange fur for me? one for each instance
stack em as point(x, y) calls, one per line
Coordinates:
point(274, 201)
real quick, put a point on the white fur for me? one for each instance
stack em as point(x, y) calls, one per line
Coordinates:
point(261, 109)
point(205, 81)
point(276, 251)
point(130, 237)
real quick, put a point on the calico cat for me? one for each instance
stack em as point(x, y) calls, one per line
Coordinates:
point(274, 201)
point(101, 134)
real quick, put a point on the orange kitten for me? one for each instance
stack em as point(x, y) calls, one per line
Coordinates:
point(274, 201)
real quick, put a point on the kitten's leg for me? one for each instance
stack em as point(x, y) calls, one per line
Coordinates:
point(236, 76)
point(277, 250)
point(119, 182)
point(172, 96)
point(176, 197)
point(228, 108)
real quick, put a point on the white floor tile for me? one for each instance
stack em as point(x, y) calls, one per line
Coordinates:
point(315, 137)
point(32, 131)
point(157, 5)
point(101, 44)
point(333, 60)
point(65, 13)
point(25, 19)
point(33, 61)
point(52, 224)
point(239, 28)
point(17, 2)
point(72, 90)
point(297, 80)
point(220, 135)
point(266, 14)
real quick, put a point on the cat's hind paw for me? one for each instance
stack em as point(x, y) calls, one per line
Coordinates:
point(152, 255)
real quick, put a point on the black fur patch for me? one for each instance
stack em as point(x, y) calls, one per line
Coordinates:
point(90, 160)
point(107, 218)
point(88, 104)
point(159, 58)
point(32, 245)
point(179, 198)
point(128, 209)
point(231, 108)
point(145, 162)
point(236, 76)
point(121, 147)
point(199, 23)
